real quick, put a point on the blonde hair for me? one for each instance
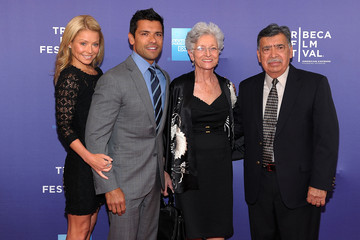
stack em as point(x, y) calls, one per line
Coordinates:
point(77, 24)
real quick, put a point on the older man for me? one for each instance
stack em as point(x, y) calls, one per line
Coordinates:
point(291, 131)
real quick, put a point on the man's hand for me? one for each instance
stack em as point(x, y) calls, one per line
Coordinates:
point(115, 201)
point(316, 197)
point(168, 184)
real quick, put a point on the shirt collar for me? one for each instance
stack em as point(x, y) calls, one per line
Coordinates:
point(281, 79)
point(142, 64)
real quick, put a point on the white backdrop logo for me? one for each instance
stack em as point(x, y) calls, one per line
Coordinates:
point(53, 49)
point(178, 48)
point(307, 46)
point(51, 189)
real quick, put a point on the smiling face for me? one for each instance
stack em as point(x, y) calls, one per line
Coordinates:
point(148, 39)
point(205, 54)
point(274, 54)
point(84, 48)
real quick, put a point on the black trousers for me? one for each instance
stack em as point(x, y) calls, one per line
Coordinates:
point(270, 219)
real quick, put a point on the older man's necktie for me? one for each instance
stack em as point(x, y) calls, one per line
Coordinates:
point(156, 94)
point(269, 124)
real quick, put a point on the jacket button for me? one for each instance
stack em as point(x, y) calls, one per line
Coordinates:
point(260, 143)
point(257, 162)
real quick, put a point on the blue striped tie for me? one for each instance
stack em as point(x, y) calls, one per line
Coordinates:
point(156, 93)
point(269, 124)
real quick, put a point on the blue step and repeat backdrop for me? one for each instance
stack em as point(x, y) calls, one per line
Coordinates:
point(324, 36)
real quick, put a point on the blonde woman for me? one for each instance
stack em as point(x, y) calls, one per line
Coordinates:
point(76, 74)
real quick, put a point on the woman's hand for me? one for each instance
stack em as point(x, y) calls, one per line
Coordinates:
point(100, 163)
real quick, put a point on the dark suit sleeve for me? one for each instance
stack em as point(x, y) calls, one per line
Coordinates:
point(167, 134)
point(238, 128)
point(325, 138)
point(239, 144)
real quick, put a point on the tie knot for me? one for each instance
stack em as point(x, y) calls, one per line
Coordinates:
point(152, 70)
point(275, 81)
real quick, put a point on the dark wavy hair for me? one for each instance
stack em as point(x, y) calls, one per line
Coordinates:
point(146, 14)
point(272, 30)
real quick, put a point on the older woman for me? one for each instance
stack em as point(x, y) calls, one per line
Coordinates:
point(200, 137)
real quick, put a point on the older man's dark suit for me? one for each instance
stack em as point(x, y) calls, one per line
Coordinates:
point(306, 138)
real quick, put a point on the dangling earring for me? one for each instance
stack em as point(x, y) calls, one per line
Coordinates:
point(69, 46)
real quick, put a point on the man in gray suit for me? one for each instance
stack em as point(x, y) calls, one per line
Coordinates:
point(126, 122)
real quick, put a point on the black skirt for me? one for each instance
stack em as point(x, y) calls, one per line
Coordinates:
point(79, 187)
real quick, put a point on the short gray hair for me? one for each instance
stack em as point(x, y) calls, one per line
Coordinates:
point(200, 29)
point(272, 30)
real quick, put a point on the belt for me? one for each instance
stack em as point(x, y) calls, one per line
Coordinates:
point(208, 129)
point(270, 167)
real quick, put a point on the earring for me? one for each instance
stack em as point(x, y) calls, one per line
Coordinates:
point(69, 46)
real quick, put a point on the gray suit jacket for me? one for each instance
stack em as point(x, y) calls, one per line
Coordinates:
point(121, 124)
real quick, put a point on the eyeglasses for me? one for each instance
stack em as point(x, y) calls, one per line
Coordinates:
point(203, 49)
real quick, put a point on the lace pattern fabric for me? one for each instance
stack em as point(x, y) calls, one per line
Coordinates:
point(73, 93)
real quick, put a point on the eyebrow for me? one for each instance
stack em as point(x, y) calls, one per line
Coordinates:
point(275, 45)
point(213, 45)
point(148, 31)
point(84, 40)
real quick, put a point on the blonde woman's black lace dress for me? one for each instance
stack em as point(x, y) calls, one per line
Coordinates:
point(73, 93)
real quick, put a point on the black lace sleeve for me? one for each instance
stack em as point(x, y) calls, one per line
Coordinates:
point(66, 93)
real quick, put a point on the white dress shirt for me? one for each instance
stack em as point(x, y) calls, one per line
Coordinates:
point(280, 87)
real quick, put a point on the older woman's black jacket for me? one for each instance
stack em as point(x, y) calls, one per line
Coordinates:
point(180, 155)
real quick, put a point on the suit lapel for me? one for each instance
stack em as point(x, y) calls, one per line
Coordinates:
point(258, 102)
point(163, 118)
point(292, 89)
point(140, 84)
